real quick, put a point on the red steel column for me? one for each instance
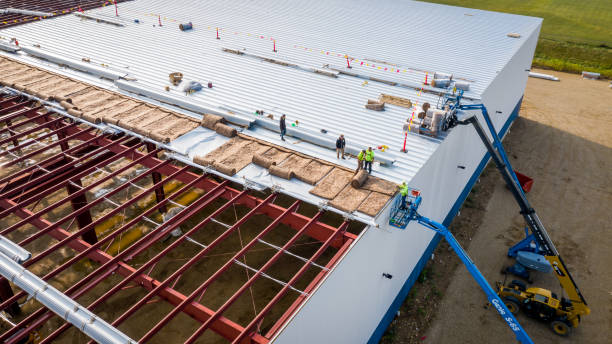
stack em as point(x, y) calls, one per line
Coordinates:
point(157, 177)
point(84, 218)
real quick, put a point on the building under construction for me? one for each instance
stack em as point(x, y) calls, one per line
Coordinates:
point(147, 193)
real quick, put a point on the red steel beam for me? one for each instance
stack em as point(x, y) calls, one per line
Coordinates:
point(309, 289)
point(285, 288)
point(19, 113)
point(151, 262)
point(31, 142)
point(193, 260)
point(245, 286)
point(17, 178)
point(42, 149)
point(76, 235)
point(15, 107)
point(60, 177)
point(319, 230)
point(195, 309)
point(5, 101)
point(29, 131)
point(56, 186)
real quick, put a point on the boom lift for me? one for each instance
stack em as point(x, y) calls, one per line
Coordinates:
point(562, 314)
point(401, 216)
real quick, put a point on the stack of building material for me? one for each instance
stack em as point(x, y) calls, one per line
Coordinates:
point(395, 100)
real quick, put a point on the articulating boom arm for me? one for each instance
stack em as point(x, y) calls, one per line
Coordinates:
point(492, 296)
point(540, 234)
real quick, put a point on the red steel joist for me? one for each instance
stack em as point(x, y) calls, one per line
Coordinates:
point(49, 169)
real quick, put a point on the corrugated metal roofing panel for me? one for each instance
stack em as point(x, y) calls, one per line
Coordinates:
point(414, 38)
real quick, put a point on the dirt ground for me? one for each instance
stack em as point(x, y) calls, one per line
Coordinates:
point(561, 139)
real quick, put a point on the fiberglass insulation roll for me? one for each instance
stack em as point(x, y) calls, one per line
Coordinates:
point(359, 178)
point(260, 160)
point(210, 121)
point(225, 130)
point(281, 172)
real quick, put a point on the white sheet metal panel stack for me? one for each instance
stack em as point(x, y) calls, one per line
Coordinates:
point(398, 41)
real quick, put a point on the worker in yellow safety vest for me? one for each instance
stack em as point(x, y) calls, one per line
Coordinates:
point(403, 188)
point(360, 159)
point(369, 158)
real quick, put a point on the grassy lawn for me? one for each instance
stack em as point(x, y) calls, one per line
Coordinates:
point(575, 36)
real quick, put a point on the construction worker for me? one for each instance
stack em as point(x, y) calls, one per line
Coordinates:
point(360, 159)
point(403, 188)
point(283, 127)
point(340, 144)
point(369, 159)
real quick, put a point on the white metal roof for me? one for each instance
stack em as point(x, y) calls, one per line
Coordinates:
point(412, 38)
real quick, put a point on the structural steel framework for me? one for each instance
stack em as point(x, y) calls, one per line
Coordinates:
point(55, 7)
point(43, 153)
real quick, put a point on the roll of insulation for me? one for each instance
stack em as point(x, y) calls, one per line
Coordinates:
point(462, 85)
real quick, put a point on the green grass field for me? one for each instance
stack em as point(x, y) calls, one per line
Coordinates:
point(576, 34)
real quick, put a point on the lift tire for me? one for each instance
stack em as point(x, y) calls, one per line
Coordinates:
point(520, 285)
point(560, 328)
point(512, 304)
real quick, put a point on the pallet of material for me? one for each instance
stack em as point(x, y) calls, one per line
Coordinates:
point(330, 186)
point(373, 204)
point(395, 100)
point(349, 198)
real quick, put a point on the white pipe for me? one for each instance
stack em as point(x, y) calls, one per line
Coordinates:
point(60, 304)
point(100, 18)
point(13, 251)
point(76, 64)
point(25, 12)
point(543, 76)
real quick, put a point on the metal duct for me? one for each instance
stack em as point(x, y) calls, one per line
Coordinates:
point(191, 105)
point(13, 251)
point(8, 47)
point(100, 18)
point(79, 65)
point(60, 304)
point(316, 138)
point(25, 12)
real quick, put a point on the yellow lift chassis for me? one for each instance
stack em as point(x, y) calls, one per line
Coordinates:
point(562, 314)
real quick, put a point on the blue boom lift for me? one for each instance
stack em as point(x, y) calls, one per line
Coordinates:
point(536, 251)
point(400, 217)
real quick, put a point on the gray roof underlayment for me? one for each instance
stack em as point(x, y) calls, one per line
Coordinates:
point(400, 42)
